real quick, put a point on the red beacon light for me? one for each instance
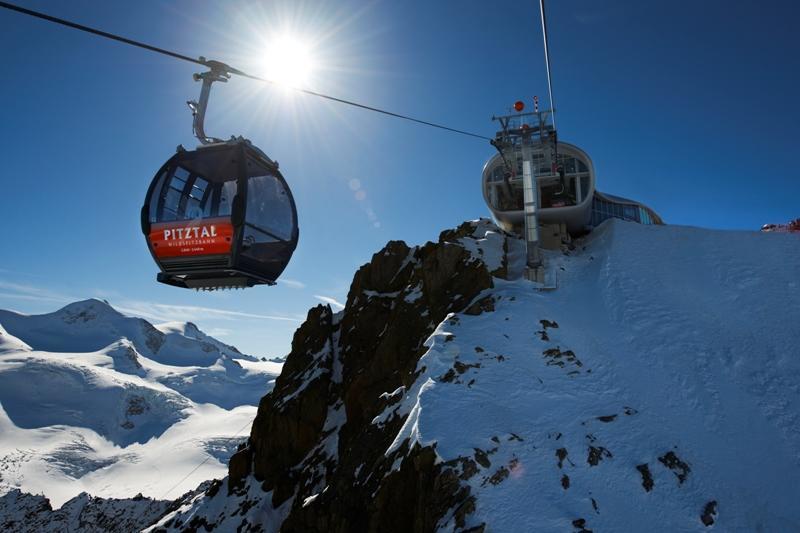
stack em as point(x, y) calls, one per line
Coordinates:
point(519, 106)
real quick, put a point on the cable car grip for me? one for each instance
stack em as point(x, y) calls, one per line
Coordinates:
point(218, 71)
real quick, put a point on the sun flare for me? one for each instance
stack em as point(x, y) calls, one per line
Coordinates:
point(288, 61)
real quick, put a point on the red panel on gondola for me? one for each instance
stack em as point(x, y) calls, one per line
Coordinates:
point(205, 236)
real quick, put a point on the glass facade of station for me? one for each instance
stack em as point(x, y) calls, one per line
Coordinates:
point(606, 206)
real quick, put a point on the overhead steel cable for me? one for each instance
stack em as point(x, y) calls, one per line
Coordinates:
point(367, 108)
point(207, 459)
point(232, 70)
point(97, 32)
point(547, 62)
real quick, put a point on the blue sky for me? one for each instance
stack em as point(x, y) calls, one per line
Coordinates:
point(690, 107)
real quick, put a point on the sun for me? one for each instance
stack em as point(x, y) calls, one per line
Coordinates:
point(288, 61)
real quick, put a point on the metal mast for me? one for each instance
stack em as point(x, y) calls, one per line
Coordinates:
point(535, 146)
point(547, 62)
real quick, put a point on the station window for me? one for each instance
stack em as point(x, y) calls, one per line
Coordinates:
point(584, 186)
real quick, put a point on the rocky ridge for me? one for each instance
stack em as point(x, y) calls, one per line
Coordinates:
point(314, 450)
point(27, 513)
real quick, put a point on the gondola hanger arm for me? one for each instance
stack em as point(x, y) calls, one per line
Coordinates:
point(218, 71)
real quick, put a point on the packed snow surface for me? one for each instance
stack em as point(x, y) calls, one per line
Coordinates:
point(93, 400)
point(662, 375)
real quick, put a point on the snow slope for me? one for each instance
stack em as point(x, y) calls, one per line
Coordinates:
point(663, 348)
point(92, 400)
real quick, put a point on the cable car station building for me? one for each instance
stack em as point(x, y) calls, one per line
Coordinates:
point(567, 202)
point(546, 190)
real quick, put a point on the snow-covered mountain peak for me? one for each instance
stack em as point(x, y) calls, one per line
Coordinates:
point(94, 400)
point(88, 310)
point(85, 326)
point(93, 325)
point(177, 333)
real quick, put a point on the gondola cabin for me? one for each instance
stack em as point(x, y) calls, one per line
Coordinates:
point(220, 216)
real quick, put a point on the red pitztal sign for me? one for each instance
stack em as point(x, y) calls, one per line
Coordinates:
point(206, 236)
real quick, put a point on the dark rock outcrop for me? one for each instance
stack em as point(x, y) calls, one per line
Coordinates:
point(647, 477)
point(709, 513)
point(313, 439)
point(678, 467)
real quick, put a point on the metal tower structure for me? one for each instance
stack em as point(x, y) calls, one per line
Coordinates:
point(527, 142)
